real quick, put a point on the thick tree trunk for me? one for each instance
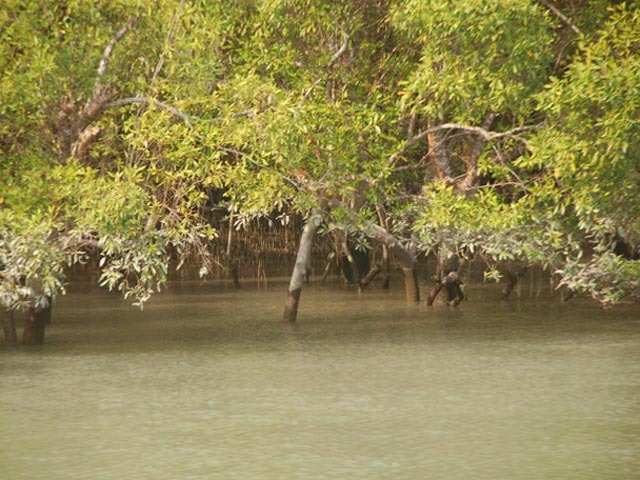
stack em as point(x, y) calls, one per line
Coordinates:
point(368, 278)
point(307, 275)
point(355, 269)
point(232, 262)
point(327, 268)
point(448, 278)
point(303, 261)
point(386, 261)
point(566, 295)
point(471, 160)
point(386, 268)
point(453, 285)
point(411, 286)
point(235, 275)
point(35, 324)
point(439, 153)
point(434, 293)
point(513, 275)
point(49, 310)
point(9, 328)
point(406, 258)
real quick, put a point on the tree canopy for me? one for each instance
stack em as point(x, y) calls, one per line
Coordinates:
point(505, 130)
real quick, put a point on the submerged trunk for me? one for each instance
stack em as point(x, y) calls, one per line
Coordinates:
point(405, 257)
point(453, 284)
point(307, 275)
point(235, 276)
point(434, 293)
point(369, 277)
point(303, 261)
point(385, 267)
point(232, 262)
point(439, 153)
point(411, 286)
point(35, 324)
point(9, 328)
point(327, 268)
point(448, 278)
point(353, 265)
point(386, 264)
point(512, 278)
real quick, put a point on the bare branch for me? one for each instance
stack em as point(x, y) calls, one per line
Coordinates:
point(471, 162)
point(485, 134)
point(106, 54)
point(310, 89)
point(334, 59)
point(151, 101)
point(174, 21)
point(561, 16)
point(405, 256)
point(86, 139)
point(438, 152)
point(340, 51)
point(250, 159)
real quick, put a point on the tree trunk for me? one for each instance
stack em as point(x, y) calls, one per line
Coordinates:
point(9, 328)
point(35, 324)
point(368, 278)
point(327, 267)
point(405, 257)
point(448, 277)
point(434, 293)
point(303, 261)
point(231, 262)
point(471, 160)
point(235, 275)
point(49, 309)
point(439, 153)
point(307, 275)
point(355, 269)
point(411, 286)
point(386, 263)
point(385, 268)
point(453, 284)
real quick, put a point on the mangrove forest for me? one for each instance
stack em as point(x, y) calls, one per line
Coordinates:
point(248, 177)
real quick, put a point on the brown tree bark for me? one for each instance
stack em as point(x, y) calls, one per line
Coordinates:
point(411, 285)
point(35, 324)
point(355, 269)
point(386, 261)
point(434, 293)
point(405, 257)
point(370, 276)
point(303, 261)
point(386, 268)
point(327, 268)
point(232, 262)
point(439, 153)
point(235, 275)
point(448, 277)
point(471, 161)
point(9, 328)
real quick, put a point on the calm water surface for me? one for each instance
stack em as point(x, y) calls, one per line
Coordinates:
point(207, 383)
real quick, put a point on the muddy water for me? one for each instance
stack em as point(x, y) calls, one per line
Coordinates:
point(207, 383)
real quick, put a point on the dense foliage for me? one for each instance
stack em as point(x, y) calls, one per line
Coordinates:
point(507, 131)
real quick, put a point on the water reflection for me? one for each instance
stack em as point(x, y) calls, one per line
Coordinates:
point(208, 383)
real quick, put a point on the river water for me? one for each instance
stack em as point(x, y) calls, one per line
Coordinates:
point(207, 383)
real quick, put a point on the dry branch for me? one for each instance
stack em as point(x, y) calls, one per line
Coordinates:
point(151, 101)
point(561, 16)
point(340, 51)
point(487, 135)
point(106, 54)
